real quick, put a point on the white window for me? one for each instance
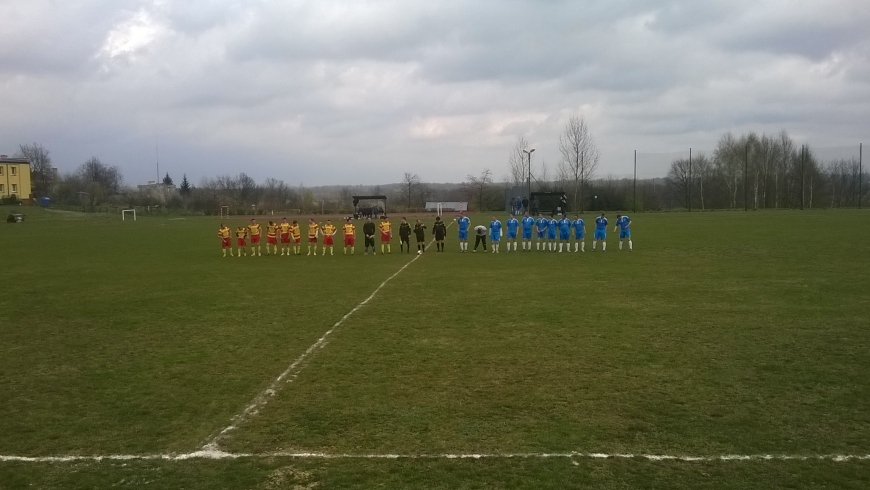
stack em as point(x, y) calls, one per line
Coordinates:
point(14, 187)
point(11, 170)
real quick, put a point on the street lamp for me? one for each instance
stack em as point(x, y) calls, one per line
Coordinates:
point(529, 153)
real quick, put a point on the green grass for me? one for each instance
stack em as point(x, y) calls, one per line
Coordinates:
point(723, 333)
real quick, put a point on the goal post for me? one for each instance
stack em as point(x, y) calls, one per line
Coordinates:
point(225, 211)
point(124, 214)
point(439, 211)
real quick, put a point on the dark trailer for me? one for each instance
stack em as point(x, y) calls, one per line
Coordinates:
point(549, 203)
point(369, 206)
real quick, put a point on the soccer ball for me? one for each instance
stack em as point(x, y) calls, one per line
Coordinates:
point(419, 252)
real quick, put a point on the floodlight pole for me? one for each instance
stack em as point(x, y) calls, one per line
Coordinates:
point(803, 160)
point(746, 179)
point(634, 200)
point(529, 177)
point(689, 186)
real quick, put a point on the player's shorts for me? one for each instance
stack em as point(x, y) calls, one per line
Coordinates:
point(512, 235)
point(272, 240)
point(421, 239)
point(255, 239)
point(540, 235)
point(581, 236)
point(226, 243)
point(551, 235)
point(312, 239)
point(298, 239)
point(349, 240)
point(495, 238)
point(241, 242)
point(564, 236)
point(406, 239)
point(600, 235)
point(463, 235)
point(327, 240)
point(385, 237)
point(624, 234)
point(527, 235)
point(285, 238)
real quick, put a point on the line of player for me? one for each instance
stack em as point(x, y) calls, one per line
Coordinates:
point(552, 234)
point(290, 236)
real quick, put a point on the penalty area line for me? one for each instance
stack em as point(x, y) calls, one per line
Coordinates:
point(212, 454)
point(263, 397)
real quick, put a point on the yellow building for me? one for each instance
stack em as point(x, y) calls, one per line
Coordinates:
point(15, 178)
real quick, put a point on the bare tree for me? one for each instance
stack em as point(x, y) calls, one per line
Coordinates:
point(410, 183)
point(479, 188)
point(678, 180)
point(517, 163)
point(580, 157)
point(728, 164)
point(40, 166)
point(702, 169)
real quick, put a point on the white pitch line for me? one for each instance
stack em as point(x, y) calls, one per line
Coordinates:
point(217, 454)
point(263, 397)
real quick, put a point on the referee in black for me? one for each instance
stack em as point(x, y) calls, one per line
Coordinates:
point(369, 232)
point(405, 235)
point(439, 229)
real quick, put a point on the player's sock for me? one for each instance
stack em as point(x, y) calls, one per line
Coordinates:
point(593, 245)
point(515, 246)
point(331, 251)
point(629, 245)
point(603, 246)
point(382, 248)
point(582, 246)
point(225, 252)
point(560, 247)
point(389, 248)
point(620, 244)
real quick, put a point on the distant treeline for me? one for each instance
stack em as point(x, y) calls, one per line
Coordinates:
point(749, 171)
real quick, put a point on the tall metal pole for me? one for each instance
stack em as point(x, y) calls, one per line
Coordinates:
point(860, 173)
point(689, 187)
point(803, 160)
point(746, 179)
point(529, 152)
point(634, 200)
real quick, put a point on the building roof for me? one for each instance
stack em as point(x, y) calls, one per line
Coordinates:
point(5, 159)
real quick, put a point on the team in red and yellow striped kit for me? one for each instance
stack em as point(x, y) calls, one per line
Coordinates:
point(289, 234)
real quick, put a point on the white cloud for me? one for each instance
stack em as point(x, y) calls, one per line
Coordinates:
point(359, 92)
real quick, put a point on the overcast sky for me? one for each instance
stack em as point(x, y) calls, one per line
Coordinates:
point(359, 92)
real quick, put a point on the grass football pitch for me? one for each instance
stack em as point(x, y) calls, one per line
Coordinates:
point(722, 334)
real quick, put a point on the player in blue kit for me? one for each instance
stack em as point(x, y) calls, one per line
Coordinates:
point(528, 224)
point(579, 233)
point(552, 224)
point(623, 223)
point(512, 226)
point(600, 233)
point(495, 234)
point(464, 224)
point(541, 226)
point(564, 232)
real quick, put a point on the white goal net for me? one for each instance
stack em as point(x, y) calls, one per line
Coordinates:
point(124, 214)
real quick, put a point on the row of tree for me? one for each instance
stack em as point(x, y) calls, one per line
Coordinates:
point(752, 171)
point(764, 171)
point(755, 171)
